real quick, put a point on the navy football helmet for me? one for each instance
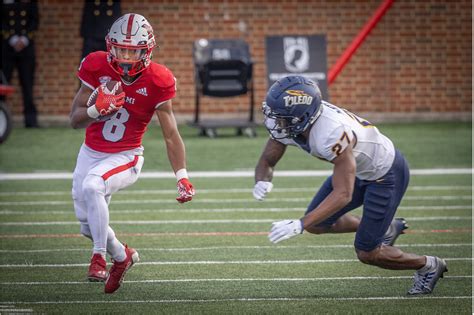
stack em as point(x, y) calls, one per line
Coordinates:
point(292, 104)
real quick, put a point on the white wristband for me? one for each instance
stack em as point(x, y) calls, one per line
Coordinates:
point(180, 174)
point(93, 112)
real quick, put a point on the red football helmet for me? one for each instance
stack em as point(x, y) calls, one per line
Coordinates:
point(130, 43)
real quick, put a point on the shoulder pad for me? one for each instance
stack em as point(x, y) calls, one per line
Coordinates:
point(161, 76)
point(93, 60)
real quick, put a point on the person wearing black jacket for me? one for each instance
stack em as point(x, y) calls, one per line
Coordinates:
point(19, 23)
point(97, 16)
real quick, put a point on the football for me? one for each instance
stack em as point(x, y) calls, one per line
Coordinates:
point(111, 87)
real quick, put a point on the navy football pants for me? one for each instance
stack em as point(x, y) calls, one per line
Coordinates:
point(380, 200)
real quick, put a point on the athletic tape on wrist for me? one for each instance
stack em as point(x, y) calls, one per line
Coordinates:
point(92, 112)
point(180, 174)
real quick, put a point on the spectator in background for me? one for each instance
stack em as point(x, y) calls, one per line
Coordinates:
point(19, 23)
point(97, 16)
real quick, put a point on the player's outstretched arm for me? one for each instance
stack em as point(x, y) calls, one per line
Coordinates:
point(174, 142)
point(343, 185)
point(270, 156)
point(78, 116)
point(176, 151)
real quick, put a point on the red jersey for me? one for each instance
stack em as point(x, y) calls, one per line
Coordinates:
point(124, 131)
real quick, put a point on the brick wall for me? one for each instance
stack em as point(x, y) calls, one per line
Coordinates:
point(417, 59)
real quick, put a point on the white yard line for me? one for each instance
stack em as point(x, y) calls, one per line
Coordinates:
point(228, 174)
point(9, 310)
point(219, 210)
point(217, 221)
point(269, 299)
point(211, 262)
point(273, 198)
point(229, 280)
point(220, 248)
point(211, 191)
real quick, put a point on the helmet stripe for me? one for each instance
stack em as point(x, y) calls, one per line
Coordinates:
point(129, 26)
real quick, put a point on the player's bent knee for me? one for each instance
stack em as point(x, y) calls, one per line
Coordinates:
point(93, 184)
point(369, 258)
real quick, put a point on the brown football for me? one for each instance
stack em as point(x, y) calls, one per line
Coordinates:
point(111, 87)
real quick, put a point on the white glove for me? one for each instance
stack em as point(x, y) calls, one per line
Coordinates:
point(283, 230)
point(261, 189)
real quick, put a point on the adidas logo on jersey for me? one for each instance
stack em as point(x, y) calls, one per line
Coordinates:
point(142, 91)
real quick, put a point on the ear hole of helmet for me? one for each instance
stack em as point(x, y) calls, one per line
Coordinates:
point(295, 120)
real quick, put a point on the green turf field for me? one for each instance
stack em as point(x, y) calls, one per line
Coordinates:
point(212, 255)
point(426, 145)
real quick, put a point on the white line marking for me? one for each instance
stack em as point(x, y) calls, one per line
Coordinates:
point(211, 191)
point(219, 221)
point(211, 262)
point(220, 210)
point(185, 249)
point(462, 197)
point(454, 187)
point(230, 174)
point(276, 299)
point(212, 200)
point(435, 208)
point(231, 280)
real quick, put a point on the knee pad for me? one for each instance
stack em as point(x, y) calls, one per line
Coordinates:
point(93, 184)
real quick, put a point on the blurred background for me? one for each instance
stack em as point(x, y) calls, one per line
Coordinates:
point(415, 63)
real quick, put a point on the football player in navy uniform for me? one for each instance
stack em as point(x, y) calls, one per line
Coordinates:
point(368, 171)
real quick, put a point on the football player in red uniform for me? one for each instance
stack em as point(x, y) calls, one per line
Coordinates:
point(111, 157)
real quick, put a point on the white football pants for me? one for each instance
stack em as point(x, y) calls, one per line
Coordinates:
point(96, 177)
